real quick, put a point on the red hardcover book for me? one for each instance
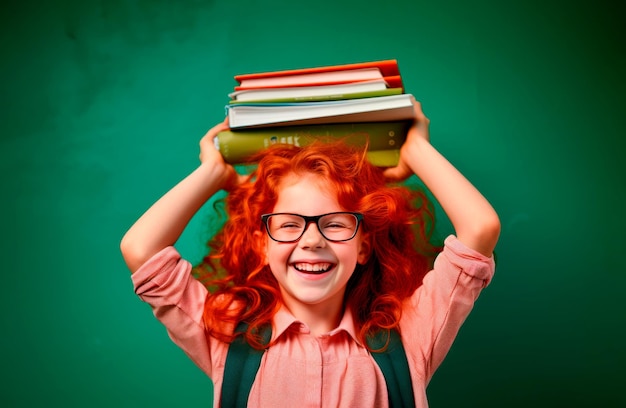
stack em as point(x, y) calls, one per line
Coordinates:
point(327, 75)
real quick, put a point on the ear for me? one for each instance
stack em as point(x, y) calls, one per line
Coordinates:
point(260, 240)
point(365, 248)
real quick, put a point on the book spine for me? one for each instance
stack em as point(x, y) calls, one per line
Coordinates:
point(384, 158)
point(238, 146)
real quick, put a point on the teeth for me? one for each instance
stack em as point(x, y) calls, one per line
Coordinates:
point(307, 267)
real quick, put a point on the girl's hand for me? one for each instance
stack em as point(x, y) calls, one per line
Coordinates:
point(418, 133)
point(163, 223)
point(475, 222)
point(212, 158)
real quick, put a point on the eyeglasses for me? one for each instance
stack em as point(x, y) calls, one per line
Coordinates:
point(335, 227)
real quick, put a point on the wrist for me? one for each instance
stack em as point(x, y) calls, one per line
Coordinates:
point(216, 176)
point(417, 147)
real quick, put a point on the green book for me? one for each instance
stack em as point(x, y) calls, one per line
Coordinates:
point(236, 146)
point(321, 98)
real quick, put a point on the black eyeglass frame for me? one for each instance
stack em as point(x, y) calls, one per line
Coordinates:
point(315, 219)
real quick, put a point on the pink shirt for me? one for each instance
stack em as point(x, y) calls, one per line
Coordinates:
point(332, 370)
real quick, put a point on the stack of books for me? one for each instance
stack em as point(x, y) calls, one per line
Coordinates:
point(363, 104)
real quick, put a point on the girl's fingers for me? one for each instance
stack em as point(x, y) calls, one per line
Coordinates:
point(216, 129)
point(398, 173)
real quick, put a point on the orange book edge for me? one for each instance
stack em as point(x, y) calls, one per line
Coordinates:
point(386, 67)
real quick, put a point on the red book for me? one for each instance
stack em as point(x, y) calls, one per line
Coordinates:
point(327, 75)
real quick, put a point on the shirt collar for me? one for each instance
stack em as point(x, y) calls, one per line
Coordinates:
point(283, 320)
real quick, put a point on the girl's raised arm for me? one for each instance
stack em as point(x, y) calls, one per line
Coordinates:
point(163, 223)
point(475, 221)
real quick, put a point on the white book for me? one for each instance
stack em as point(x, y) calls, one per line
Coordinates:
point(376, 109)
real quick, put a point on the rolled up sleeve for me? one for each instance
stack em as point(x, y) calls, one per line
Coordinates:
point(177, 300)
point(440, 306)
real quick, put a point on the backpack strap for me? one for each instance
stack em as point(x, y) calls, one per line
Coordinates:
point(395, 367)
point(242, 363)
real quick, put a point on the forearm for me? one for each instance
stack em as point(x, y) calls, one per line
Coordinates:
point(163, 223)
point(475, 221)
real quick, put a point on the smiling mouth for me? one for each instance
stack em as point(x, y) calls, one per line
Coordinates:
point(316, 269)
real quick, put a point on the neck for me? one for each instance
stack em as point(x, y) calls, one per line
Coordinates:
point(320, 319)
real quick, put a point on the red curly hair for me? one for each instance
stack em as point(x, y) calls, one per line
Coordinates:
point(398, 221)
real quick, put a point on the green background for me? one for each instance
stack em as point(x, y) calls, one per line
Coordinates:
point(103, 105)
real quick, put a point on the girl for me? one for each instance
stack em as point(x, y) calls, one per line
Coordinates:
point(321, 250)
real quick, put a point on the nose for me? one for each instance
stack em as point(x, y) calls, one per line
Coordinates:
point(312, 238)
